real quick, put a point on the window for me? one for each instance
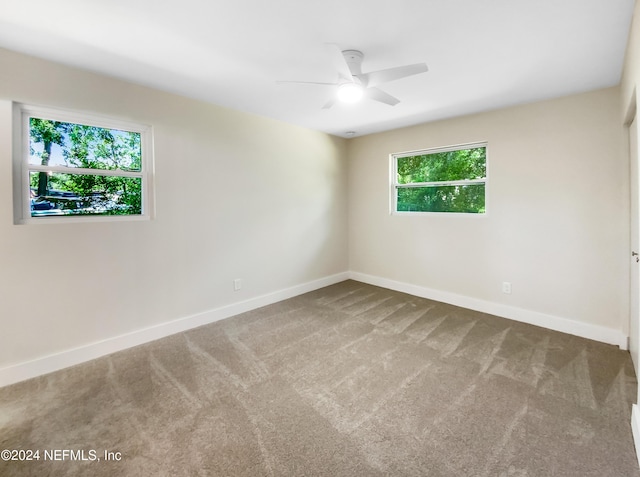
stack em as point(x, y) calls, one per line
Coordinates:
point(70, 165)
point(450, 179)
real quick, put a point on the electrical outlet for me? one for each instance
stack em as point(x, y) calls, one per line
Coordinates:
point(506, 288)
point(237, 284)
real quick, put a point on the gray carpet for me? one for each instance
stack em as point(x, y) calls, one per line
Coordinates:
point(349, 380)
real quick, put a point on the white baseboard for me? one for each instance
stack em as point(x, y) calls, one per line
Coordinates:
point(64, 359)
point(635, 429)
point(565, 325)
point(54, 362)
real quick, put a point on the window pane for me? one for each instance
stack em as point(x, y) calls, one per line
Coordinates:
point(443, 166)
point(84, 194)
point(466, 199)
point(56, 143)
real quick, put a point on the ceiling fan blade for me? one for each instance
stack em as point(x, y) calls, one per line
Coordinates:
point(379, 95)
point(329, 103)
point(306, 82)
point(339, 63)
point(375, 78)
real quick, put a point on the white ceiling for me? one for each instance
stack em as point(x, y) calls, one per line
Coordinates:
point(482, 54)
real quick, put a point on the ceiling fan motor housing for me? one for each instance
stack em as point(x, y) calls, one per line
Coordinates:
point(354, 61)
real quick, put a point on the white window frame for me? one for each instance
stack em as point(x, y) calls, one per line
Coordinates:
point(21, 166)
point(395, 185)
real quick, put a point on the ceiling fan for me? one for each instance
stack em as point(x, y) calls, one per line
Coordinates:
point(353, 84)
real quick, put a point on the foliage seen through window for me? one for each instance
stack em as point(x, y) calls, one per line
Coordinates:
point(442, 181)
point(77, 169)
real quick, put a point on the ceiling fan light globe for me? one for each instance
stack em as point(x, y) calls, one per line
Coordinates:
point(350, 93)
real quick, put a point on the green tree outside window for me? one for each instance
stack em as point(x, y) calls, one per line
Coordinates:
point(443, 181)
point(91, 165)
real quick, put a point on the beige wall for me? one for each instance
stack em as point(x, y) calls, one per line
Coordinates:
point(237, 196)
point(557, 221)
point(631, 69)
